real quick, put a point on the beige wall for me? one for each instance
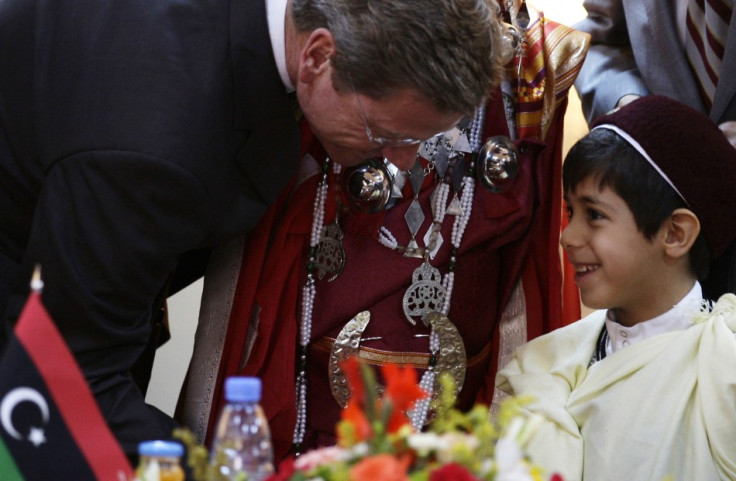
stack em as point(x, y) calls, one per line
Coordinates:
point(173, 358)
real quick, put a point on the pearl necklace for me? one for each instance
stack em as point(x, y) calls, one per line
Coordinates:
point(309, 291)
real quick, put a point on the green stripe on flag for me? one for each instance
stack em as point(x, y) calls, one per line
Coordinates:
point(8, 468)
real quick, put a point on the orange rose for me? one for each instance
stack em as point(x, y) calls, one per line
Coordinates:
point(382, 466)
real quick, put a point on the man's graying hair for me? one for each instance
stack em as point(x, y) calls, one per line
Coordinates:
point(448, 50)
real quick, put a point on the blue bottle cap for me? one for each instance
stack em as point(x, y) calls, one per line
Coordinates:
point(160, 448)
point(243, 389)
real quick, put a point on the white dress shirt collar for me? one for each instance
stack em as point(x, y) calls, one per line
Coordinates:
point(677, 318)
point(276, 15)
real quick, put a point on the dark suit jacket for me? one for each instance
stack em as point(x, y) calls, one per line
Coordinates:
point(636, 50)
point(131, 133)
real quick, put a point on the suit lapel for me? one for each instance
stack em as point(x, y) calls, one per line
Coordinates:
point(264, 113)
point(724, 101)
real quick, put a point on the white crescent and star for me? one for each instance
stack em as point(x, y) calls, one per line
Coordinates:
point(8, 404)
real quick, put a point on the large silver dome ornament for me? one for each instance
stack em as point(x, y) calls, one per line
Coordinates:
point(510, 39)
point(368, 186)
point(498, 163)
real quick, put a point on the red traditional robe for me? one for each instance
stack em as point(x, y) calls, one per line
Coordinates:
point(511, 236)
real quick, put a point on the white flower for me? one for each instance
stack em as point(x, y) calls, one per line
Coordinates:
point(510, 461)
point(358, 451)
point(521, 429)
point(425, 443)
point(318, 457)
point(453, 442)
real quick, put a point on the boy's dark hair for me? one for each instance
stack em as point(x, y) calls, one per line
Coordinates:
point(612, 162)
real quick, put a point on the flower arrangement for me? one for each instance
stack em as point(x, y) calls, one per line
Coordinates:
point(376, 440)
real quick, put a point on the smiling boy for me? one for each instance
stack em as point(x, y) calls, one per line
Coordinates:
point(645, 387)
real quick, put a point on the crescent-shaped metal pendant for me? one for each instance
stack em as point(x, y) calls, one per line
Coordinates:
point(346, 345)
point(452, 357)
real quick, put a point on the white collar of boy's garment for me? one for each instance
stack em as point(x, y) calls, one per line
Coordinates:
point(677, 318)
point(276, 15)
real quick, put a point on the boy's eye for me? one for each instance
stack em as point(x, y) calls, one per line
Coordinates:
point(594, 214)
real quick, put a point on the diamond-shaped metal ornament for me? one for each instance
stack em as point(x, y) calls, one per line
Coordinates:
point(433, 202)
point(438, 242)
point(416, 177)
point(413, 250)
point(455, 208)
point(441, 158)
point(396, 192)
point(441, 162)
point(462, 144)
point(414, 217)
point(458, 173)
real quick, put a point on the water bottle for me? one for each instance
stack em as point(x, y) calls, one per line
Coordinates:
point(242, 443)
point(160, 461)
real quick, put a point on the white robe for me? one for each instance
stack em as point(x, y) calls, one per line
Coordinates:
point(665, 406)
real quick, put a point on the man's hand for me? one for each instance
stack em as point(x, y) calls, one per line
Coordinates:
point(626, 99)
point(729, 130)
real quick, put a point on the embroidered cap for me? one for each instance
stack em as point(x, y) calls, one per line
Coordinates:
point(691, 153)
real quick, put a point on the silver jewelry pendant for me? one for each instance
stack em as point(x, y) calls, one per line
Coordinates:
point(498, 163)
point(345, 346)
point(330, 258)
point(509, 42)
point(368, 186)
point(455, 208)
point(452, 357)
point(425, 294)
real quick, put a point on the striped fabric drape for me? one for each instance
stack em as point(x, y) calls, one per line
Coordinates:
point(707, 27)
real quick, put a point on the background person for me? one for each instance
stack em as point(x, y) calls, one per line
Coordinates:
point(661, 47)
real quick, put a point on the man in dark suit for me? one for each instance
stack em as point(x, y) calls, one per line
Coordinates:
point(661, 47)
point(137, 135)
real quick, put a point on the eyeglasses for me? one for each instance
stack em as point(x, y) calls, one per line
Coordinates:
point(382, 141)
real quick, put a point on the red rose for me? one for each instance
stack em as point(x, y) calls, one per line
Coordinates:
point(286, 469)
point(451, 472)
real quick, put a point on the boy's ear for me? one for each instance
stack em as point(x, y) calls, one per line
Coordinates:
point(683, 228)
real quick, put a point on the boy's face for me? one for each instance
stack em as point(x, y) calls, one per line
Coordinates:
point(616, 266)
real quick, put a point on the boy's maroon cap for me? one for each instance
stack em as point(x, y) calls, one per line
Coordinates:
point(691, 153)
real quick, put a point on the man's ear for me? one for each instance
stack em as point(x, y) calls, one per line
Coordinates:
point(316, 53)
point(683, 228)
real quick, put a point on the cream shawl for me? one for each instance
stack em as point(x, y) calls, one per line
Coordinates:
point(665, 406)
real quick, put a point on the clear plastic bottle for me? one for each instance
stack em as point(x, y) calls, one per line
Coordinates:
point(242, 441)
point(160, 461)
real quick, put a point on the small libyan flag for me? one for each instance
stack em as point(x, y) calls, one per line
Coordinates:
point(50, 424)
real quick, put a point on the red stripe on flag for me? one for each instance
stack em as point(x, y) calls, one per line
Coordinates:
point(53, 359)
